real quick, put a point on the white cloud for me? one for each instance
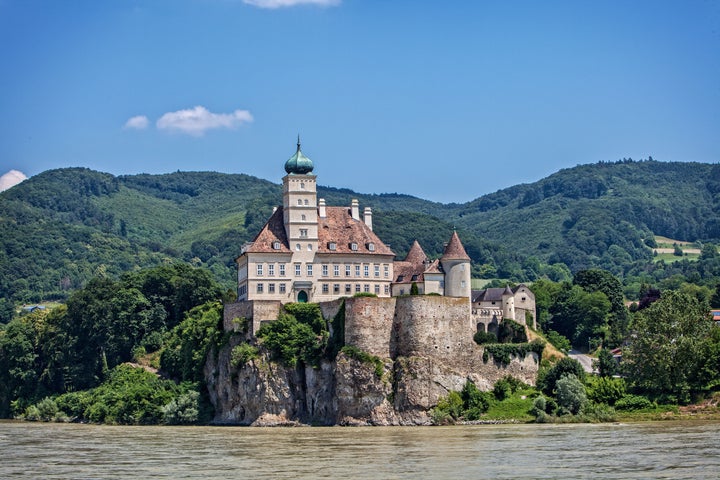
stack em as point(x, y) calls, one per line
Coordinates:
point(290, 3)
point(197, 120)
point(139, 122)
point(10, 179)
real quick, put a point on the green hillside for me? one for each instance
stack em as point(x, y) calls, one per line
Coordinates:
point(60, 228)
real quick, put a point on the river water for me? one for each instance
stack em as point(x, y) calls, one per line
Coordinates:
point(673, 450)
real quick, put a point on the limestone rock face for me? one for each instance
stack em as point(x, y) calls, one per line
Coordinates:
point(345, 391)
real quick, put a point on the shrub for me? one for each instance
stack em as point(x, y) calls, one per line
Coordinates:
point(503, 352)
point(606, 390)
point(547, 379)
point(138, 353)
point(571, 395)
point(559, 341)
point(183, 410)
point(633, 402)
point(364, 357)
point(449, 408)
point(598, 413)
point(484, 337)
point(475, 402)
point(242, 354)
point(152, 341)
point(291, 341)
point(509, 331)
point(365, 294)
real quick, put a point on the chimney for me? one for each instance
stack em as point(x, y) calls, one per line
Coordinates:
point(321, 208)
point(355, 209)
point(367, 214)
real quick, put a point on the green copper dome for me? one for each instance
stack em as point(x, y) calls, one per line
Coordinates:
point(299, 163)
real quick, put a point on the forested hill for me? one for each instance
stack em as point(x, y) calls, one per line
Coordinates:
point(62, 227)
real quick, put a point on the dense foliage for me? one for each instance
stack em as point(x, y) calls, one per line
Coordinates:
point(75, 346)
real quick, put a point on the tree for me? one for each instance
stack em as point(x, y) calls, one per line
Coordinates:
point(605, 364)
point(580, 316)
point(670, 345)
point(547, 380)
point(571, 396)
point(596, 280)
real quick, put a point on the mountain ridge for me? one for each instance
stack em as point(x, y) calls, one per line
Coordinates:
point(63, 226)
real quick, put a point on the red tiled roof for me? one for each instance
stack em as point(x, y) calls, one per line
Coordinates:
point(274, 230)
point(337, 227)
point(416, 255)
point(454, 249)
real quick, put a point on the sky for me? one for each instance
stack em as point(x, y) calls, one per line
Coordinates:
point(444, 100)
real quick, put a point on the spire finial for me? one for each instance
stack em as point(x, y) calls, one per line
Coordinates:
point(298, 144)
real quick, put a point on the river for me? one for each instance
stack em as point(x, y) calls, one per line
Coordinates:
point(653, 450)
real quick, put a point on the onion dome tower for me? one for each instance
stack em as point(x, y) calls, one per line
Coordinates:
point(299, 164)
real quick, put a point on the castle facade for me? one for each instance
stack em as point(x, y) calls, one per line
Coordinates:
point(310, 252)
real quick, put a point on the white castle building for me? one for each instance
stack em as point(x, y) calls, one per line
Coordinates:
point(310, 252)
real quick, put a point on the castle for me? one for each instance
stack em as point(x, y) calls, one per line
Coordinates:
point(311, 252)
point(418, 321)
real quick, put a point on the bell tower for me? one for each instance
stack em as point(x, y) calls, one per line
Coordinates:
point(300, 204)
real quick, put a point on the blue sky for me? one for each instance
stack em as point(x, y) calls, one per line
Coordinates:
point(445, 100)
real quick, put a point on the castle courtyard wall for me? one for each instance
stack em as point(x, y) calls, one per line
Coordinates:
point(369, 324)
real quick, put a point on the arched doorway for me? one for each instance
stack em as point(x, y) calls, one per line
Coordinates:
point(302, 296)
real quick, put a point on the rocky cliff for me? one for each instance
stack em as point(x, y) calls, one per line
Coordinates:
point(346, 391)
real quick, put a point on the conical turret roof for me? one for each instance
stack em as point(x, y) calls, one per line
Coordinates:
point(454, 249)
point(416, 255)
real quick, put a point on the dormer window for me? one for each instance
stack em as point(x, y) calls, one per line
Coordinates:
point(354, 246)
point(371, 247)
point(276, 245)
point(332, 246)
point(414, 278)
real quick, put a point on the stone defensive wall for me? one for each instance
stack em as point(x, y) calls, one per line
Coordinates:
point(433, 326)
point(369, 324)
point(254, 312)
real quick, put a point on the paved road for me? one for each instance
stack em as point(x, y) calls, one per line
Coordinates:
point(584, 360)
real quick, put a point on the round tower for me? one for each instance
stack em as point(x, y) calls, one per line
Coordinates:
point(456, 265)
point(508, 300)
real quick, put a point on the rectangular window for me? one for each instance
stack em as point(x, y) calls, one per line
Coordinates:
point(366, 288)
point(271, 288)
point(357, 288)
point(297, 270)
point(377, 289)
point(309, 269)
point(259, 288)
point(336, 270)
point(357, 270)
point(377, 270)
point(326, 288)
point(259, 269)
point(387, 270)
point(336, 288)
point(366, 270)
point(348, 288)
point(324, 270)
point(387, 289)
point(271, 269)
point(303, 232)
point(347, 270)
point(282, 269)
point(282, 288)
